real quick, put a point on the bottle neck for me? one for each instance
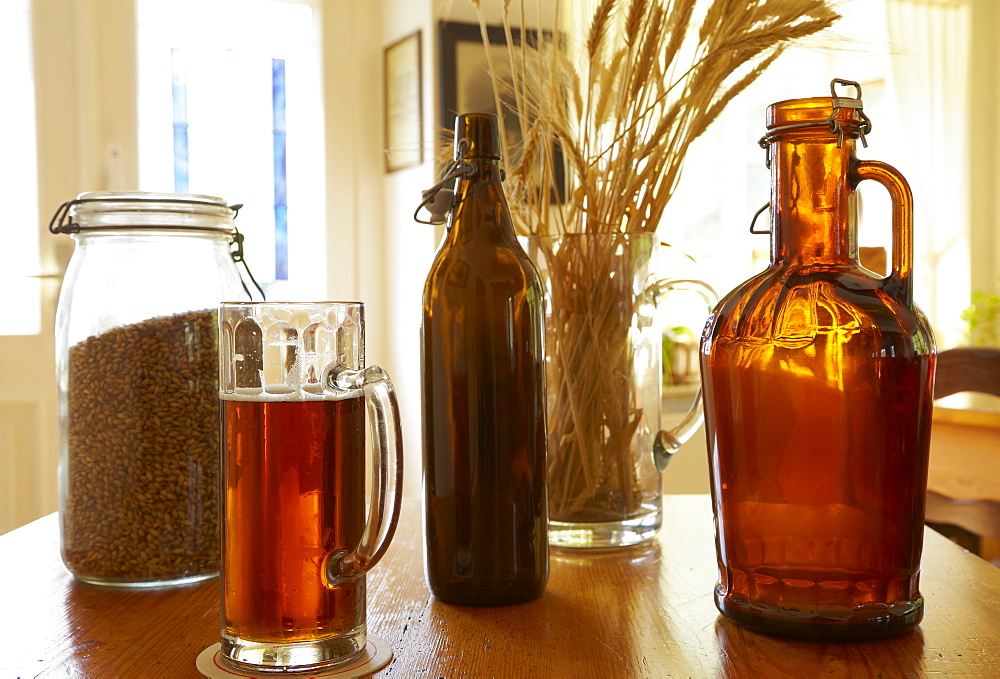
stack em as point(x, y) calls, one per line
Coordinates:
point(480, 205)
point(813, 204)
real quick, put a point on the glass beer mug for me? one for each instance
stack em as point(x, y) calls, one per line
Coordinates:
point(295, 545)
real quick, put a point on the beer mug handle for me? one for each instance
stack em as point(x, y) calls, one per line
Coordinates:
point(668, 441)
point(387, 472)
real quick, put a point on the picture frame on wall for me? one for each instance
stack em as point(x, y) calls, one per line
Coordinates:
point(403, 100)
point(465, 85)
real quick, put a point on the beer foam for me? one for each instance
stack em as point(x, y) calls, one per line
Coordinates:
point(276, 393)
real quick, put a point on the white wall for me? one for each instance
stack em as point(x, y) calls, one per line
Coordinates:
point(403, 249)
point(84, 104)
point(408, 246)
point(377, 253)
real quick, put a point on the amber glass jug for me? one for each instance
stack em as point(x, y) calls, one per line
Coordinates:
point(818, 378)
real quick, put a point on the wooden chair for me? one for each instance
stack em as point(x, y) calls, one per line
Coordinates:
point(966, 369)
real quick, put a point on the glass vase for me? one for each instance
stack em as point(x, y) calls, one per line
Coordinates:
point(606, 450)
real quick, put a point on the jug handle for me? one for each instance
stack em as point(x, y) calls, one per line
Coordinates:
point(668, 441)
point(387, 473)
point(902, 221)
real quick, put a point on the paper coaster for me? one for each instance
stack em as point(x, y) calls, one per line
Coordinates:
point(376, 655)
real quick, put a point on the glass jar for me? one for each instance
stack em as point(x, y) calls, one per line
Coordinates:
point(136, 361)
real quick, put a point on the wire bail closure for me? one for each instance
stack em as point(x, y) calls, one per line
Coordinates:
point(439, 200)
point(62, 222)
point(236, 252)
point(832, 124)
point(842, 102)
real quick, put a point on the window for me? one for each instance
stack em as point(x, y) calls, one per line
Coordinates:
point(19, 255)
point(230, 105)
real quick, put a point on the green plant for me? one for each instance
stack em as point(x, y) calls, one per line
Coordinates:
point(983, 320)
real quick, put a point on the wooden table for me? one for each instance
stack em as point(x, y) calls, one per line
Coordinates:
point(643, 612)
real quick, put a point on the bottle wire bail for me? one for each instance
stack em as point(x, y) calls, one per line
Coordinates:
point(438, 200)
point(62, 222)
point(862, 129)
point(236, 252)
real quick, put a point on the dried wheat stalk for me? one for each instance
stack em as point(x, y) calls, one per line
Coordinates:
point(623, 104)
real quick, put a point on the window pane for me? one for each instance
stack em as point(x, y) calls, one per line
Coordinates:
point(229, 105)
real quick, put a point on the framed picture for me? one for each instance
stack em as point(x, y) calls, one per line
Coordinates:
point(404, 124)
point(466, 87)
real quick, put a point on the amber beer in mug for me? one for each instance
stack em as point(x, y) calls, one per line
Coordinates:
point(296, 545)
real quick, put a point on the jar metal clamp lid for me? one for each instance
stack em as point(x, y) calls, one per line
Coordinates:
point(141, 210)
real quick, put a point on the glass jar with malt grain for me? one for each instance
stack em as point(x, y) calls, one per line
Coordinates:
point(136, 357)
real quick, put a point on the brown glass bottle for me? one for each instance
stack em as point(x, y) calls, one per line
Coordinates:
point(818, 387)
point(482, 357)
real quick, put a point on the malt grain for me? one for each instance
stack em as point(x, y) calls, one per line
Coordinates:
point(142, 459)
